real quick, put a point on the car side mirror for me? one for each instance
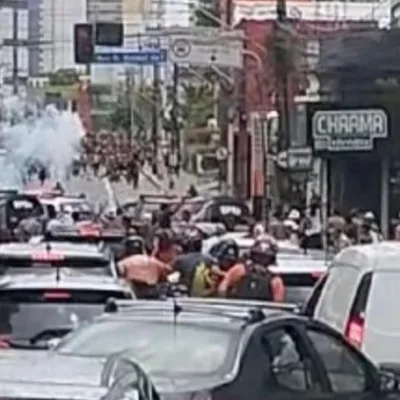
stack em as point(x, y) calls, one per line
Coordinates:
point(389, 380)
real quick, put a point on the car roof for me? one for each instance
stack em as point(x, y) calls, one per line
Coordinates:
point(67, 280)
point(67, 249)
point(371, 257)
point(217, 313)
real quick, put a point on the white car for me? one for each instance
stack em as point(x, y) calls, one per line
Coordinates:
point(66, 204)
point(359, 297)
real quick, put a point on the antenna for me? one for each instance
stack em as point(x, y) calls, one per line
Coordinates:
point(48, 250)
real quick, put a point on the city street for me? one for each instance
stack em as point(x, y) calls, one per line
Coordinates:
point(97, 190)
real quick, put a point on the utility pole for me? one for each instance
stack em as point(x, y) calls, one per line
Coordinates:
point(282, 44)
point(242, 183)
point(176, 140)
point(242, 186)
point(226, 93)
point(155, 117)
point(15, 66)
point(131, 101)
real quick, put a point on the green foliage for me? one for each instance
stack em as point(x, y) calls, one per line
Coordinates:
point(64, 77)
point(120, 117)
point(197, 105)
point(201, 14)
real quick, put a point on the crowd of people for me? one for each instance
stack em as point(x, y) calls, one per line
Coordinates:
point(341, 230)
point(115, 156)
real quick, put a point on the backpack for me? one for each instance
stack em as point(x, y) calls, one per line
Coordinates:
point(255, 285)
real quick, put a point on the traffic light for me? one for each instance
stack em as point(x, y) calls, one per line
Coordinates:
point(83, 43)
point(109, 34)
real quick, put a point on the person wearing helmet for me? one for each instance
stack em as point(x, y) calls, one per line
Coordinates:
point(294, 215)
point(143, 272)
point(252, 279)
point(226, 253)
point(198, 272)
point(133, 245)
point(165, 247)
point(370, 230)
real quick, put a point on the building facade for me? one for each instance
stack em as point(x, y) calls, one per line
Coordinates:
point(6, 52)
point(310, 21)
point(57, 18)
point(355, 133)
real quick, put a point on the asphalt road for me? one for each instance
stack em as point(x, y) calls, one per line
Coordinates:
point(100, 190)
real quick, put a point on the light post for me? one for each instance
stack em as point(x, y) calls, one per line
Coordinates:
point(222, 157)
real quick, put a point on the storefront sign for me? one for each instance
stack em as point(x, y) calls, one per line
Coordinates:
point(348, 130)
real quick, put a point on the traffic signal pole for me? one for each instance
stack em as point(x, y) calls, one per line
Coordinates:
point(15, 65)
point(155, 118)
point(282, 33)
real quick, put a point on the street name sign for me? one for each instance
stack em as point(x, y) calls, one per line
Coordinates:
point(133, 57)
point(348, 130)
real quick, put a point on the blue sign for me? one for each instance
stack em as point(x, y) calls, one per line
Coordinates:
point(133, 57)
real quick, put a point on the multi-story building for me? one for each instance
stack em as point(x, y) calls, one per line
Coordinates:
point(6, 33)
point(57, 18)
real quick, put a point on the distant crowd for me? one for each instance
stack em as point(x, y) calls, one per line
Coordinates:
point(114, 155)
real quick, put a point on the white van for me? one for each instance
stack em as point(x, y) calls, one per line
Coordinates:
point(360, 297)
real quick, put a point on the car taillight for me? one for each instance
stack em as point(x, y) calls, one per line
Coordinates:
point(355, 330)
point(89, 230)
point(56, 295)
point(47, 256)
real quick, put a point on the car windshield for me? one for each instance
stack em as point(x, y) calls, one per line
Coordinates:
point(161, 347)
point(76, 206)
point(87, 264)
point(25, 314)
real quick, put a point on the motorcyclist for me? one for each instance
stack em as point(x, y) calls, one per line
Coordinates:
point(133, 245)
point(198, 272)
point(29, 227)
point(226, 253)
point(112, 220)
point(369, 229)
point(165, 247)
point(143, 273)
point(252, 279)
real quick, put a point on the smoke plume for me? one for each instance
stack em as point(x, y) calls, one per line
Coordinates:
point(31, 135)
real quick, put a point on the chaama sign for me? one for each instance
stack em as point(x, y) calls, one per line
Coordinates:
point(348, 130)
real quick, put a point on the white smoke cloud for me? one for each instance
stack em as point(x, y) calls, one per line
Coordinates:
point(30, 134)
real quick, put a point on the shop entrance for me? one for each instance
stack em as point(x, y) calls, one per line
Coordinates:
point(355, 182)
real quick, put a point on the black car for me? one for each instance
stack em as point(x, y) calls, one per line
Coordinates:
point(230, 350)
point(14, 207)
point(226, 210)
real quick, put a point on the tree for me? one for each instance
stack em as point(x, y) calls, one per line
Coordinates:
point(120, 117)
point(201, 14)
point(64, 77)
point(197, 105)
